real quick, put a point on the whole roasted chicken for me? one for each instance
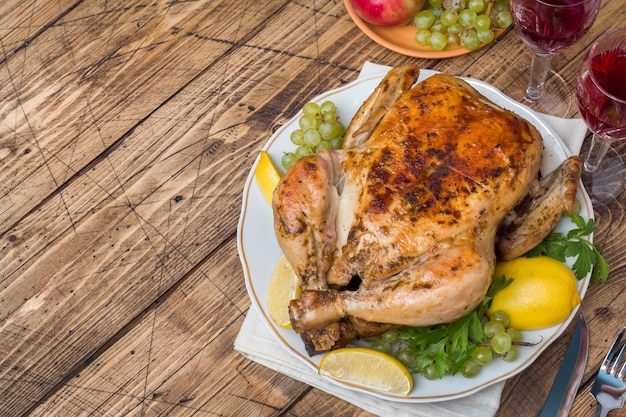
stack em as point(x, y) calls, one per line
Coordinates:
point(401, 226)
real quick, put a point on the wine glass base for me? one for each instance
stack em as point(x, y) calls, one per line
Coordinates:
point(556, 99)
point(607, 182)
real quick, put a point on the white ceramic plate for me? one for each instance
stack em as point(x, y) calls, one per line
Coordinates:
point(259, 250)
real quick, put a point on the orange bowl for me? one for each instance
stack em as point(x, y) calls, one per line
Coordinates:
point(401, 39)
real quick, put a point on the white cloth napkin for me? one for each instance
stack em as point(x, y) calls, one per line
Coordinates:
point(255, 342)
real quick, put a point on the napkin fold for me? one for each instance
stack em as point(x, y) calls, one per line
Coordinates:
point(255, 342)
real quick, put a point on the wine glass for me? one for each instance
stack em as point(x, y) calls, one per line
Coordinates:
point(601, 99)
point(546, 27)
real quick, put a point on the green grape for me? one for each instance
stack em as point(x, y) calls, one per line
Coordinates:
point(308, 121)
point(328, 116)
point(504, 19)
point(482, 355)
point(467, 18)
point(318, 129)
point(389, 336)
point(476, 5)
point(500, 6)
point(424, 19)
point(405, 356)
point(325, 144)
point(437, 11)
point(303, 150)
point(511, 355)
point(336, 142)
point(312, 138)
point(470, 368)
point(437, 41)
point(456, 5)
point(455, 29)
point(453, 39)
point(482, 22)
point(492, 327)
point(449, 17)
point(312, 109)
point(288, 159)
point(501, 342)
point(330, 130)
point(430, 372)
point(422, 37)
point(439, 27)
point(485, 36)
point(453, 16)
point(501, 316)
point(382, 346)
point(469, 40)
point(328, 107)
point(516, 335)
point(297, 137)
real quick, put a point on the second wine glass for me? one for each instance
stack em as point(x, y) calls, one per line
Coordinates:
point(601, 98)
point(546, 27)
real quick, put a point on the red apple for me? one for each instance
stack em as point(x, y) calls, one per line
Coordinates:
point(387, 12)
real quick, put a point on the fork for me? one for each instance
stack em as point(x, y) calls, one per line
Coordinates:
point(609, 388)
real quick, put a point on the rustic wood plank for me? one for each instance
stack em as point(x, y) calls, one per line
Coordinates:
point(87, 81)
point(28, 22)
point(319, 403)
point(109, 245)
point(178, 357)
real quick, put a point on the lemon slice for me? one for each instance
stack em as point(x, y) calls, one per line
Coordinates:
point(368, 368)
point(267, 175)
point(284, 286)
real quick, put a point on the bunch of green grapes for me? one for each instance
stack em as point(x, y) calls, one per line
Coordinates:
point(500, 343)
point(425, 350)
point(319, 128)
point(467, 23)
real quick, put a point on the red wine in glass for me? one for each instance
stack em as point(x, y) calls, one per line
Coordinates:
point(545, 27)
point(551, 25)
point(601, 98)
point(601, 94)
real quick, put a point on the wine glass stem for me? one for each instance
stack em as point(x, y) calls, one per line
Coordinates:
point(538, 73)
point(596, 153)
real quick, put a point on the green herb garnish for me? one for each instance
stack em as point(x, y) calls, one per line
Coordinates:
point(445, 348)
point(575, 245)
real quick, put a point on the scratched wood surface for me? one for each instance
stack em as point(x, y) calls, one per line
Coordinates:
point(127, 131)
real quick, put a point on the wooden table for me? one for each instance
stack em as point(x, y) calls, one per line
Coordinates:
point(127, 131)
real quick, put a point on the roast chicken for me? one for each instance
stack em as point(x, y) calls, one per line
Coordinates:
point(403, 225)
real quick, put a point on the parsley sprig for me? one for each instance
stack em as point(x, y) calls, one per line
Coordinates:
point(446, 347)
point(575, 245)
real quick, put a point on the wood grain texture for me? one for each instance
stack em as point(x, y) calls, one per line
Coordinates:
point(92, 77)
point(127, 132)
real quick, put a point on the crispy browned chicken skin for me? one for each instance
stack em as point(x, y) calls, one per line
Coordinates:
point(399, 226)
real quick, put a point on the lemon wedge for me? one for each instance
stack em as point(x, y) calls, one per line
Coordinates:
point(542, 294)
point(284, 286)
point(267, 175)
point(367, 368)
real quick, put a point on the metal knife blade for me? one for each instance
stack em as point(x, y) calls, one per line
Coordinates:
point(563, 391)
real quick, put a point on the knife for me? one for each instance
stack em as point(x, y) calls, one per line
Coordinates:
point(567, 381)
